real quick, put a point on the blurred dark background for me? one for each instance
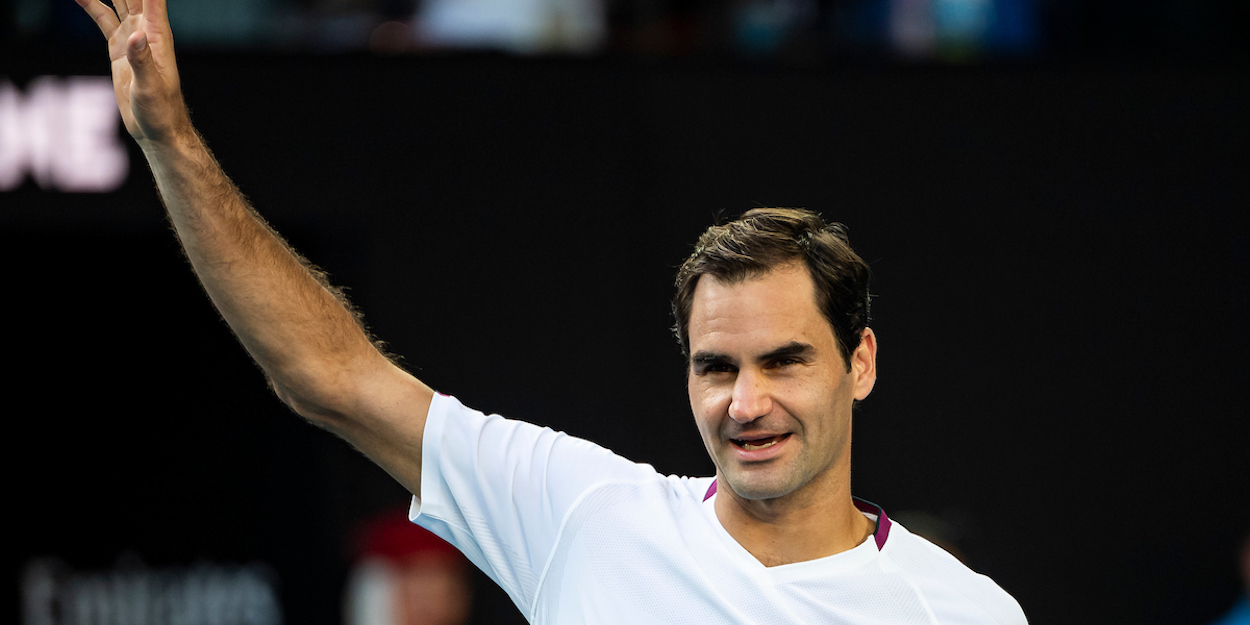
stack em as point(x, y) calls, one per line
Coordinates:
point(1052, 195)
point(790, 31)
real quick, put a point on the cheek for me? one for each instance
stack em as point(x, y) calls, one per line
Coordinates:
point(706, 404)
point(814, 402)
point(705, 394)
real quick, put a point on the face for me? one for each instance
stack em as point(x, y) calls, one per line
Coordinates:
point(769, 388)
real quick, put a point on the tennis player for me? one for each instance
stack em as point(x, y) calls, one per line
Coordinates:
point(772, 313)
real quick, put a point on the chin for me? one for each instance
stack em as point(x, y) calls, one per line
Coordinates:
point(758, 489)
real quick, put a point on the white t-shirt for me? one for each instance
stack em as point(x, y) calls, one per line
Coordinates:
point(576, 534)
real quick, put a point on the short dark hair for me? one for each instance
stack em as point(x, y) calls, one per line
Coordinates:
point(764, 238)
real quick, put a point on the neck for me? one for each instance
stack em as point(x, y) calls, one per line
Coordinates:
point(795, 528)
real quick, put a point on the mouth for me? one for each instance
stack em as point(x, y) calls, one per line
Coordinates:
point(757, 443)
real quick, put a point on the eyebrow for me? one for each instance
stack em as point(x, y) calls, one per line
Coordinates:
point(789, 350)
point(708, 358)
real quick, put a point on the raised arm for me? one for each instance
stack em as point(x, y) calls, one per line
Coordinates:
point(303, 333)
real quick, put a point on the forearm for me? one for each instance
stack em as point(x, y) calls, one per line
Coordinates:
point(305, 337)
point(303, 333)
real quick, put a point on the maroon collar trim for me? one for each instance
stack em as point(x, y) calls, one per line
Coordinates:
point(883, 522)
point(710, 491)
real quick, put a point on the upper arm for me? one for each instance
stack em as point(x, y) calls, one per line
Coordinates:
point(501, 490)
point(381, 410)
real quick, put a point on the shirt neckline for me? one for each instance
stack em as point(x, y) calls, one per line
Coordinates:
point(879, 535)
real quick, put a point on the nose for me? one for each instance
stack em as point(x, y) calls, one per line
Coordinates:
point(751, 399)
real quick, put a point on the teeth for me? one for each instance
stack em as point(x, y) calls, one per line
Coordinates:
point(750, 447)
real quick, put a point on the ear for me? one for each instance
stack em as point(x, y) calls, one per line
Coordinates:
point(864, 364)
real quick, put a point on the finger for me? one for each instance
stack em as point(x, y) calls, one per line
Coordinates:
point(123, 11)
point(139, 55)
point(155, 10)
point(103, 16)
point(135, 6)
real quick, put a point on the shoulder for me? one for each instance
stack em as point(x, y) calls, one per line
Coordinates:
point(954, 592)
point(696, 489)
point(505, 456)
point(646, 499)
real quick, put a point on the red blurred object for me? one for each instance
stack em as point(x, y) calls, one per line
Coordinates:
point(392, 536)
point(405, 575)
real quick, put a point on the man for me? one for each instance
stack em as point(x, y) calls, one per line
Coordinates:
point(772, 312)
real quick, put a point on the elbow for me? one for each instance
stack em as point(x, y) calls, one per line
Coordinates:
point(327, 394)
point(319, 406)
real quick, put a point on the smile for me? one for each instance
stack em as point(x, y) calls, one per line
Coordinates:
point(760, 443)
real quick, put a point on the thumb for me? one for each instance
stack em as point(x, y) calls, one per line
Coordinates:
point(138, 53)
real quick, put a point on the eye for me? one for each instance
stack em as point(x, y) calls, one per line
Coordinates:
point(714, 367)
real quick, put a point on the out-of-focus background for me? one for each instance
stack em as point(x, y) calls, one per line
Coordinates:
point(1052, 193)
point(788, 31)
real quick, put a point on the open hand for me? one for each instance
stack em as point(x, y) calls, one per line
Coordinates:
point(145, 75)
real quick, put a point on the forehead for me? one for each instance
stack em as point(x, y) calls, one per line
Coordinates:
point(775, 307)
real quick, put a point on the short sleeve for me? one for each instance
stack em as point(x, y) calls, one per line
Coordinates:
point(500, 490)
